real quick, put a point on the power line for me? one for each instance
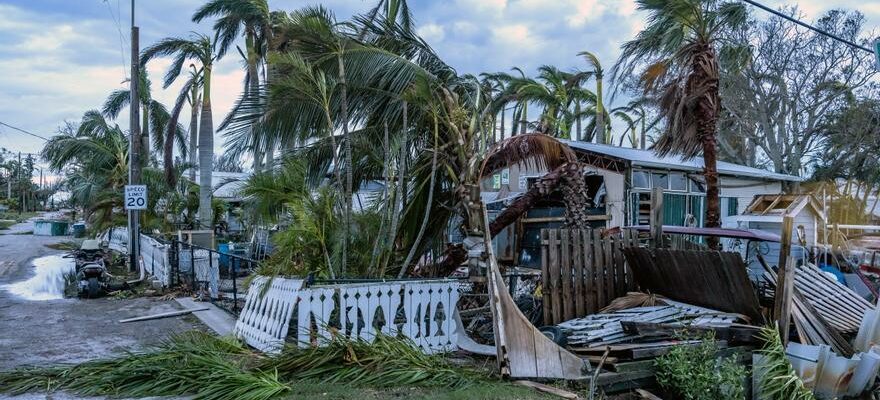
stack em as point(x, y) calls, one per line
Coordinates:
point(117, 21)
point(808, 26)
point(23, 131)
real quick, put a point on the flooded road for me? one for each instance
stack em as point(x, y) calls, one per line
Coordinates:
point(48, 282)
point(38, 326)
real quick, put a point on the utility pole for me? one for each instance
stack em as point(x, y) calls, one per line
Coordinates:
point(134, 159)
point(20, 193)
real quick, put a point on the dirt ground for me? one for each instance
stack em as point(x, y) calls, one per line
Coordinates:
point(70, 330)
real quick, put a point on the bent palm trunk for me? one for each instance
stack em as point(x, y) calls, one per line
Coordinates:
point(568, 177)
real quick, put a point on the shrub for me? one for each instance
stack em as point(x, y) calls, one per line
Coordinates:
point(697, 373)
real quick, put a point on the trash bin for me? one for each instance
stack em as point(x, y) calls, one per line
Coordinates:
point(79, 230)
point(223, 249)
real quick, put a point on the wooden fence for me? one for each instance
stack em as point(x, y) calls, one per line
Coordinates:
point(582, 272)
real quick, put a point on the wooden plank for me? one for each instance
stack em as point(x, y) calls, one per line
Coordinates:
point(555, 284)
point(565, 266)
point(608, 273)
point(599, 269)
point(619, 269)
point(657, 218)
point(565, 394)
point(517, 341)
point(785, 282)
point(578, 272)
point(589, 272)
point(546, 305)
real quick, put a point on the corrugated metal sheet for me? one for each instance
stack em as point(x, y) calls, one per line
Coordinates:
point(647, 158)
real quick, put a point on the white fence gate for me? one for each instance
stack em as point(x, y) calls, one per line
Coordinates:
point(265, 318)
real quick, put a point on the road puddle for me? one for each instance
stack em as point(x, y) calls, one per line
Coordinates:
point(48, 282)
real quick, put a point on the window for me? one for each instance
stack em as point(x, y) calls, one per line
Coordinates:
point(697, 187)
point(678, 181)
point(641, 179)
point(660, 180)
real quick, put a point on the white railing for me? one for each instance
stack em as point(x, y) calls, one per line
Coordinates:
point(426, 308)
point(423, 311)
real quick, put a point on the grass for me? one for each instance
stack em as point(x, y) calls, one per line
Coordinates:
point(6, 223)
point(205, 367)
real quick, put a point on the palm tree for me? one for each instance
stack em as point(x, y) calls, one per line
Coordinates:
point(677, 53)
point(600, 114)
point(94, 159)
point(154, 117)
point(253, 19)
point(201, 49)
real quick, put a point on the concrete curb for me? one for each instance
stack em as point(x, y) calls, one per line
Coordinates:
point(215, 318)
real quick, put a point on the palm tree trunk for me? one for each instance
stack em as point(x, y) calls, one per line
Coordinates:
point(600, 113)
point(568, 177)
point(400, 190)
point(193, 132)
point(577, 113)
point(424, 226)
point(705, 79)
point(348, 163)
point(642, 143)
point(524, 121)
point(206, 152)
point(146, 148)
point(502, 124)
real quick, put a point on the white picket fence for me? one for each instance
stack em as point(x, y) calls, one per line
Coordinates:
point(423, 311)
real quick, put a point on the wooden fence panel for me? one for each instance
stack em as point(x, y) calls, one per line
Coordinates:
point(582, 271)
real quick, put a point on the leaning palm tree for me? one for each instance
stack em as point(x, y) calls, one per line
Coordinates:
point(201, 49)
point(676, 54)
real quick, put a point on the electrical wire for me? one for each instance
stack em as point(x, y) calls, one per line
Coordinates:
point(122, 39)
point(808, 26)
point(23, 131)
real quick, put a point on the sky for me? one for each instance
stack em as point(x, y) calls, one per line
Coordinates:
point(60, 58)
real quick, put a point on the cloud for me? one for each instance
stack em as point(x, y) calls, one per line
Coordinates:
point(432, 32)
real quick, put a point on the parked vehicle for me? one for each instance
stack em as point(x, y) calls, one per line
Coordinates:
point(91, 269)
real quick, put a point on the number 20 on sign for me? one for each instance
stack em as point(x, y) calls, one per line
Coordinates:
point(135, 197)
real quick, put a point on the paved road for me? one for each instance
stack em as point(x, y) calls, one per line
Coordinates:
point(69, 330)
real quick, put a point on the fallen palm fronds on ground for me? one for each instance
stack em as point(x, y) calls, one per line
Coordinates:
point(386, 361)
point(192, 364)
point(206, 367)
point(778, 379)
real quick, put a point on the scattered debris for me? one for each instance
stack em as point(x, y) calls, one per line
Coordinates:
point(162, 315)
point(565, 394)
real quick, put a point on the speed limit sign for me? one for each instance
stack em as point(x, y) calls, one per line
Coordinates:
point(135, 197)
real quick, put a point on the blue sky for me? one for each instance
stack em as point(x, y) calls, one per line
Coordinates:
point(59, 58)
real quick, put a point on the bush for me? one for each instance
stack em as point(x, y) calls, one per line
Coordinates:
point(696, 373)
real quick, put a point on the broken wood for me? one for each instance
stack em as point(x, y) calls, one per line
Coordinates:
point(657, 218)
point(784, 282)
point(522, 350)
point(162, 315)
point(565, 394)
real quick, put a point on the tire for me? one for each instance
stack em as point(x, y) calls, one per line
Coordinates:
point(93, 288)
point(555, 334)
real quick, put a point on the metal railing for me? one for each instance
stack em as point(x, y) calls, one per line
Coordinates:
point(214, 275)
